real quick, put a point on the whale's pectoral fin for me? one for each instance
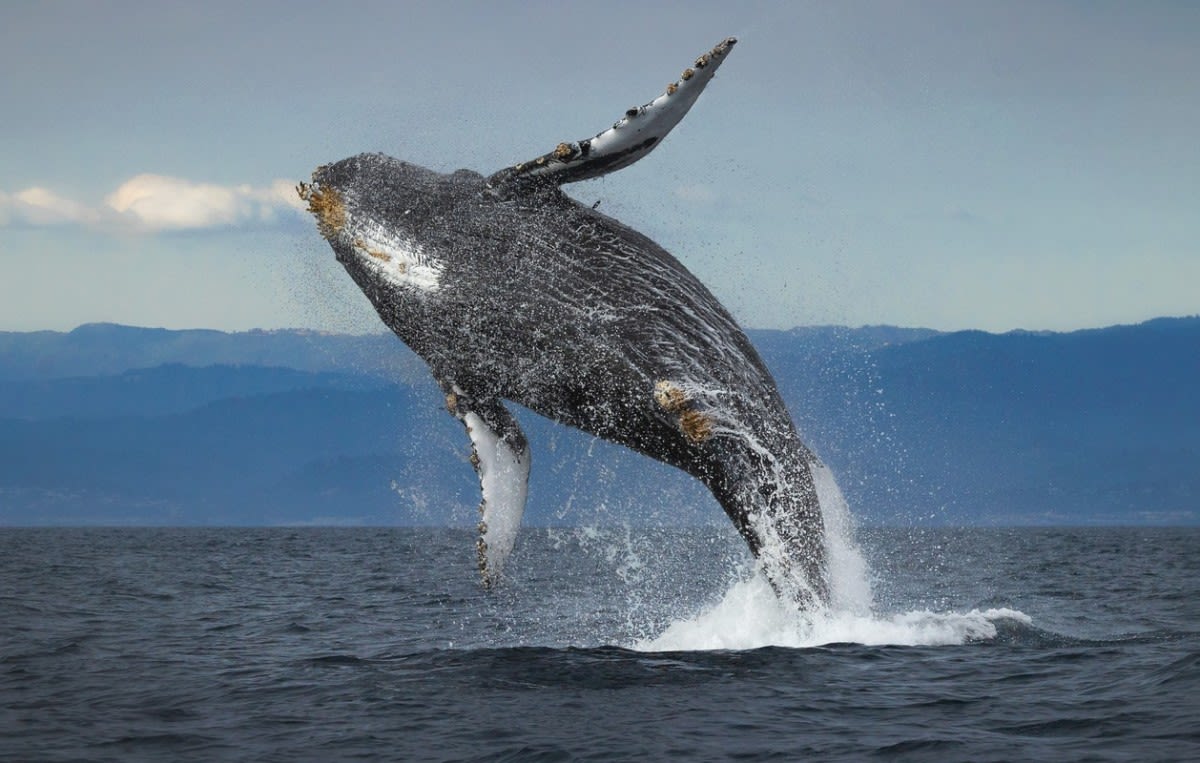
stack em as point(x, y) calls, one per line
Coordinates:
point(629, 139)
point(500, 455)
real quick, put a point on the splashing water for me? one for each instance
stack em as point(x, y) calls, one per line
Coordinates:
point(750, 615)
point(849, 581)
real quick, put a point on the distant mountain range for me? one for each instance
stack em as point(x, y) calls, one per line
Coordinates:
point(122, 425)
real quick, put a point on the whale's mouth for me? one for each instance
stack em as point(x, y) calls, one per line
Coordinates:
point(326, 205)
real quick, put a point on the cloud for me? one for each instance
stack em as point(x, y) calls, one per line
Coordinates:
point(39, 206)
point(157, 203)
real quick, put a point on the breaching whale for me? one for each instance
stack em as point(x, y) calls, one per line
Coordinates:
point(510, 290)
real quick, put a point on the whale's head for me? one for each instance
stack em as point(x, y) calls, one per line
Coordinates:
point(384, 218)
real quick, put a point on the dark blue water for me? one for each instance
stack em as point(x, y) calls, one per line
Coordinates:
point(337, 644)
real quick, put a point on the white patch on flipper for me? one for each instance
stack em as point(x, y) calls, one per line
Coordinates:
point(633, 136)
point(504, 478)
point(655, 119)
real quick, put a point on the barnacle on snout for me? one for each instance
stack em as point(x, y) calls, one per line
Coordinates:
point(326, 205)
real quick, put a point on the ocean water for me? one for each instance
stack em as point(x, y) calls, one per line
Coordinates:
point(606, 644)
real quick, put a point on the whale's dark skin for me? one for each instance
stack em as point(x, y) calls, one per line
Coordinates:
point(510, 290)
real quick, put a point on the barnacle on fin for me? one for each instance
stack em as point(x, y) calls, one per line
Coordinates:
point(481, 552)
point(618, 147)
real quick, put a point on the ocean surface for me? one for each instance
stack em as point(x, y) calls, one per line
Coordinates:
point(606, 644)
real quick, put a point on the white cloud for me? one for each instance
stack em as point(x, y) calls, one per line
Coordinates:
point(158, 202)
point(152, 203)
point(40, 206)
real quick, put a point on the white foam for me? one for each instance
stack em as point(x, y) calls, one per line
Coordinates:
point(751, 616)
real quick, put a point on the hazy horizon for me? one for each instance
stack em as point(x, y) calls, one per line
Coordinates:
point(384, 331)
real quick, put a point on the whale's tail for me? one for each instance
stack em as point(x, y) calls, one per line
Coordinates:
point(747, 452)
point(773, 501)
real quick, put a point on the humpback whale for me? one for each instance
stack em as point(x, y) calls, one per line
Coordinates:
point(512, 291)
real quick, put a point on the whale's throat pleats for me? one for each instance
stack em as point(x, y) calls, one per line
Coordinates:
point(500, 455)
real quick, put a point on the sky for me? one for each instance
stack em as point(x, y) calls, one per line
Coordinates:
point(984, 165)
